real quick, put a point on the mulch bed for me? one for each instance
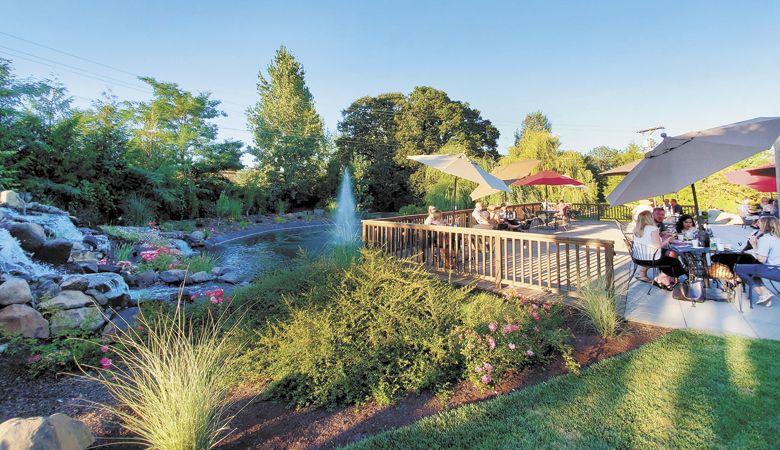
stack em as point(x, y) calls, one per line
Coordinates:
point(270, 424)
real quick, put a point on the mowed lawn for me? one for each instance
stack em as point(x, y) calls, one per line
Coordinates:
point(685, 390)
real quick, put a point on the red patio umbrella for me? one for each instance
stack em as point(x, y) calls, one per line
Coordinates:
point(762, 178)
point(548, 178)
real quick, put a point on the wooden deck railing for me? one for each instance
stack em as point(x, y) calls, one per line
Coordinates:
point(558, 263)
point(605, 211)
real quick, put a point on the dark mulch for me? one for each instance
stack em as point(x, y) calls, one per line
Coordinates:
point(270, 424)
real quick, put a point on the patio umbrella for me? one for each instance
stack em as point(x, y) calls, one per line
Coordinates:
point(683, 160)
point(548, 178)
point(461, 167)
point(762, 178)
point(621, 170)
point(508, 173)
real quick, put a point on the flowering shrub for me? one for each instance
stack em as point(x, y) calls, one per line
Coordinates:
point(216, 297)
point(526, 333)
point(160, 258)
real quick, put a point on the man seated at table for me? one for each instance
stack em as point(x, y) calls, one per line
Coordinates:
point(676, 207)
point(658, 217)
point(480, 218)
point(747, 212)
point(562, 208)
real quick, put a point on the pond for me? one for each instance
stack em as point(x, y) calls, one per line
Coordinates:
point(251, 257)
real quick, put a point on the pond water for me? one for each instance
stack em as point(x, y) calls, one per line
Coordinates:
point(251, 257)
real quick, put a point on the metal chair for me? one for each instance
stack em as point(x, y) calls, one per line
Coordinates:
point(642, 255)
point(747, 286)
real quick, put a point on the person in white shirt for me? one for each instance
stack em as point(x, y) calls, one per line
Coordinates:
point(480, 217)
point(647, 251)
point(767, 252)
point(748, 214)
point(434, 216)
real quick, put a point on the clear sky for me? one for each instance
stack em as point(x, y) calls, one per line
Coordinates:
point(599, 70)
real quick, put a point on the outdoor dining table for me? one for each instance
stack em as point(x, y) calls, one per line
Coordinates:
point(695, 260)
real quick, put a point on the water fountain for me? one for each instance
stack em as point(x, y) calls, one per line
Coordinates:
point(345, 228)
point(60, 224)
point(14, 259)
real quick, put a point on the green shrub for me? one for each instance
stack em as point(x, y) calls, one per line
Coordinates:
point(138, 210)
point(597, 305)
point(228, 208)
point(243, 225)
point(123, 251)
point(201, 263)
point(170, 384)
point(281, 207)
point(409, 210)
point(187, 226)
point(280, 220)
point(62, 353)
point(123, 235)
point(162, 262)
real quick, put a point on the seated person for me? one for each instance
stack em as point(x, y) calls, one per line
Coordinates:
point(747, 212)
point(658, 217)
point(562, 208)
point(480, 217)
point(499, 222)
point(676, 208)
point(686, 228)
point(521, 217)
point(647, 250)
point(435, 216)
point(767, 252)
point(766, 207)
point(746, 255)
point(667, 206)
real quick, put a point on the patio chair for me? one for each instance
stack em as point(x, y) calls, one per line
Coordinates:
point(644, 256)
point(749, 290)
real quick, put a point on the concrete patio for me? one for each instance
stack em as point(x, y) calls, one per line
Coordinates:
point(659, 308)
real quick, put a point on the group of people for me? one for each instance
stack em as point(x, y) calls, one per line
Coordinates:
point(750, 212)
point(750, 264)
point(498, 218)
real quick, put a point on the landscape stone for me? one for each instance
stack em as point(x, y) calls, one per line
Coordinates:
point(100, 299)
point(146, 278)
point(173, 276)
point(230, 277)
point(11, 198)
point(112, 268)
point(75, 283)
point(202, 277)
point(46, 289)
point(89, 267)
point(56, 251)
point(87, 319)
point(56, 432)
point(218, 271)
point(129, 278)
point(24, 320)
point(196, 235)
point(121, 322)
point(31, 236)
point(112, 286)
point(15, 290)
point(67, 300)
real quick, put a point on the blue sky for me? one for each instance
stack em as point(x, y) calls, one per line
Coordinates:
point(599, 70)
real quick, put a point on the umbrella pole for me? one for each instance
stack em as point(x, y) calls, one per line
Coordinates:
point(696, 207)
point(546, 196)
point(455, 196)
point(777, 179)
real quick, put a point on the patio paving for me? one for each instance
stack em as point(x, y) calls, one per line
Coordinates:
point(659, 308)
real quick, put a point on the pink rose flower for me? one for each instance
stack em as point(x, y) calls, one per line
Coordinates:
point(103, 348)
point(534, 306)
point(105, 363)
point(492, 327)
point(486, 379)
point(193, 297)
point(213, 300)
point(478, 369)
point(546, 306)
point(535, 316)
point(488, 367)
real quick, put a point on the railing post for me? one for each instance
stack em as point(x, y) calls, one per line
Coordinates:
point(498, 247)
point(609, 262)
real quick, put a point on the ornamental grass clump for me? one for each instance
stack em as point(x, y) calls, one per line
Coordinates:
point(167, 377)
point(597, 304)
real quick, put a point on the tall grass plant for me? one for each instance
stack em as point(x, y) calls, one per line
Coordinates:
point(597, 304)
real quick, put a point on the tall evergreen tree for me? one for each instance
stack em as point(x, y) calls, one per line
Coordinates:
point(535, 121)
point(288, 132)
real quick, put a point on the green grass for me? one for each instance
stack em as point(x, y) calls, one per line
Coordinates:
point(200, 263)
point(123, 251)
point(686, 390)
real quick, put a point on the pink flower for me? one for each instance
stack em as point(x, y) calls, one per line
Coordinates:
point(529, 352)
point(105, 363)
point(219, 299)
point(193, 297)
point(534, 306)
point(486, 379)
point(546, 306)
point(488, 367)
point(492, 327)
point(512, 346)
point(478, 369)
point(103, 348)
point(140, 328)
point(214, 300)
point(207, 293)
point(535, 316)
point(510, 328)
point(33, 359)
point(492, 344)
point(219, 292)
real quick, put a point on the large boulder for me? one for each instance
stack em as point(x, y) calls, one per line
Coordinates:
point(45, 289)
point(56, 432)
point(15, 290)
point(67, 300)
point(202, 277)
point(111, 285)
point(31, 236)
point(146, 278)
point(75, 283)
point(121, 322)
point(87, 319)
point(230, 277)
point(22, 319)
point(11, 198)
point(174, 276)
point(56, 251)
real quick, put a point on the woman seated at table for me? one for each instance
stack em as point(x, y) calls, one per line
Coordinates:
point(686, 228)
point(767, 251)
point(435, 216)
point(648, 247)
point(500, 222)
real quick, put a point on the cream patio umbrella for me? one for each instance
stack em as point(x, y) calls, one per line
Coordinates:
point(461, 167)
point(682, 160)
point(508, 173)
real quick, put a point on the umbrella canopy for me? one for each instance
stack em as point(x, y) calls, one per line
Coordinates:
point(680, 161)
point(621, 170)
point(461, 167)
point(508, 174)
point(548, 178)
point(761, 178)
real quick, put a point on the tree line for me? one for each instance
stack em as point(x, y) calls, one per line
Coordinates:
point(131, 161)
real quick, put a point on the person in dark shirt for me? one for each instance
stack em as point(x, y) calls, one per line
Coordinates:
point(658, 217)
point(676, 208)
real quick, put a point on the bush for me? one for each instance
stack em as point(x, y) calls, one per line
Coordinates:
point(201, 263)
point(62, 353)
point(123, 251)
point(409, 210)
point(228, 208)
point(138, 210)
point(169, 385)
point(281, 207)
point(161, 262)
point(597, 305)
